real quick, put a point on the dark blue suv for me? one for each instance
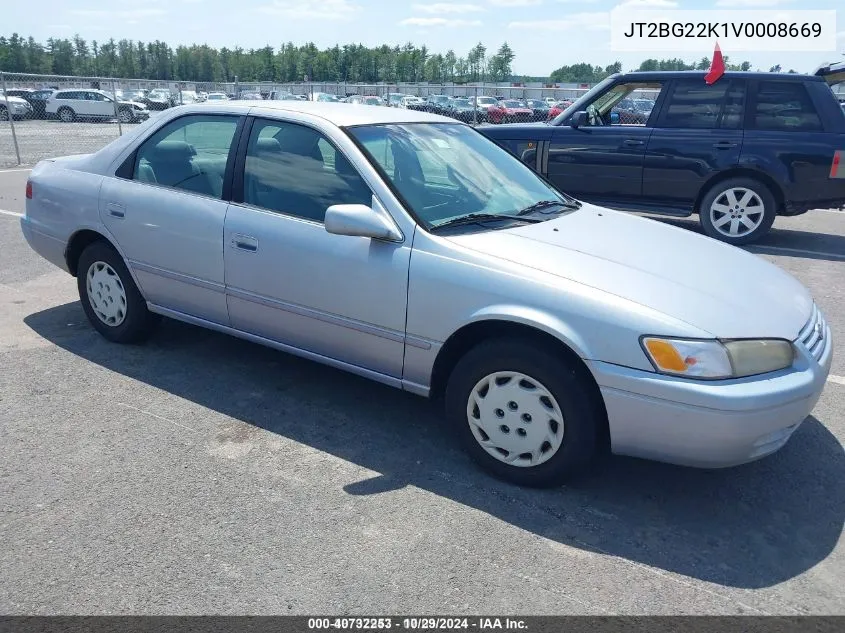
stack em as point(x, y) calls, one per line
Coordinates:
point(739, 152)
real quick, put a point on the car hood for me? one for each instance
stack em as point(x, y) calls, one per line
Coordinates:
point(132, 103)
point(715, 287)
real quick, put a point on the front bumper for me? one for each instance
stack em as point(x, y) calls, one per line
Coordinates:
point(710, 424)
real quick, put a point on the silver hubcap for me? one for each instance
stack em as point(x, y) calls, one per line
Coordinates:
point(125, 116)
point(737, 211)
point(515, 419)
point(66, 115)
point(4, 116)
point(106, 294)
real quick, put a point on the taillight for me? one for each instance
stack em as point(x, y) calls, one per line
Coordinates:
point(29, 190)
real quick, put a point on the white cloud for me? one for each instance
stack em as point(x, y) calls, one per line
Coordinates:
point(515, 3)
point(596, 21)
point(576, 1)
point(127, 14)
point(445, 7)
point(311, 9)
point(647, 4)
point(444, 22)
point(751, 3)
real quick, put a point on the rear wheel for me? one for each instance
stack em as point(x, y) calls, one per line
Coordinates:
point(125, 115)
point(109, 296)
point(526, 415)
point(66, 115)
point(738, 211)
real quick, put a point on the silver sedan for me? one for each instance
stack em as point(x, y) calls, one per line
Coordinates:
point(408, 248)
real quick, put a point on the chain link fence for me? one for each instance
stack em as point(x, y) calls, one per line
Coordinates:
point(43, 116)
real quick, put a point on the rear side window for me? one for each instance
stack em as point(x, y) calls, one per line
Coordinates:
point(189, 153)
point(785, 106)
point(695, 105)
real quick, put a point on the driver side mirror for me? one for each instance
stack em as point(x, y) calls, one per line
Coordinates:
point(579, 119)
point(361, 221)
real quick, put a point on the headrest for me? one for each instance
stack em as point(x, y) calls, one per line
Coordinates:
point(268, 145)
point(174, 150)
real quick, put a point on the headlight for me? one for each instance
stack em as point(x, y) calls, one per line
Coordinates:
point(710, 359)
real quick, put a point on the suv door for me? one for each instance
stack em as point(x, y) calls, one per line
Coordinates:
point(165, 209)
point(603, 160)
point(99, 105)
point(291, 281)
point(698, 134)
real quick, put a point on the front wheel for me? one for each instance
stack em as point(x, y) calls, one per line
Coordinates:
point(109, 296)
point(737, 211)
point(526, 415)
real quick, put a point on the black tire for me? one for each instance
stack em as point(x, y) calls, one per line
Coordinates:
point(125, 115)
point(138, 322)
point(720, 192)
point(569, 384)
point(66, 115)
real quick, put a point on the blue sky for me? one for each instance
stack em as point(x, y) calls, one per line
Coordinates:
point(544, 34)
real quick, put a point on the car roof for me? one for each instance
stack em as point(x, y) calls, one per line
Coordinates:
point(342, 114)
point(655, 75)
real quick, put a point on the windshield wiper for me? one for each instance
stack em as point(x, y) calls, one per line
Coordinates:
point(474, 218)
point(543, 204)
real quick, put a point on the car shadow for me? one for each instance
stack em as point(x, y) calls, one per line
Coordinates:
point(752, 526)
point(797, 243)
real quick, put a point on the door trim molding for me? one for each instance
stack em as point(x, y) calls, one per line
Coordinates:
point(384, 379)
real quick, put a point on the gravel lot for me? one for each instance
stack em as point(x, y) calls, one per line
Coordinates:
point(202, 474)
point(44, 139)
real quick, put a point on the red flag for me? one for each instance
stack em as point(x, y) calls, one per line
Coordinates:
point(717, 67)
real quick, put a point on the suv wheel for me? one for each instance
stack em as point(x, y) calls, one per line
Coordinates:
point(737, 211)
point(125, 115)
point(523, 414)
point(109, 296)
point(66, 115)
point(4, 113)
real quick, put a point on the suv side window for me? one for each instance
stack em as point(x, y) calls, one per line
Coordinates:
point(293, 169)
point(785, 106)
point(607, 108)
point(695, 105)
point(189, 153)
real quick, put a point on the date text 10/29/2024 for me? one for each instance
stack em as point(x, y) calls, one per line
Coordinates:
point(418, 623)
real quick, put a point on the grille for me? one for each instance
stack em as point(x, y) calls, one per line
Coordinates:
point(814, 335)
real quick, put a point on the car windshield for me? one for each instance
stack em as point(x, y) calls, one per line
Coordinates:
point(486, 100)
point(512, 104)
point(446, 171)
point(372, 101)
point(462, 102)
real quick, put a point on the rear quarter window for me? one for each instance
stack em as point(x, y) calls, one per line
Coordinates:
point(784, 106)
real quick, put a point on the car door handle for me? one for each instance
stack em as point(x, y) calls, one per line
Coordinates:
point(724, 145)
point(245, 243)
point(631, 142)
point(116, 210)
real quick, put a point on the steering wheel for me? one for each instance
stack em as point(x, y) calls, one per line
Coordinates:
point(593, 116)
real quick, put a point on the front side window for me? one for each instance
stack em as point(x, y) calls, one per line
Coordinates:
point(615, 106)
point(785, 106)
point(695, 105)
point(189, 153)
point(444, 171)
point(293, 169)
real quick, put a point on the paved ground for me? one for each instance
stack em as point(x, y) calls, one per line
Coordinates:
point(201, 474)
